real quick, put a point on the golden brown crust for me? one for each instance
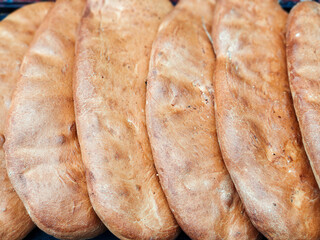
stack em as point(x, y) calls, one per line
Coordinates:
point(303, 58)
point(258, 133)
point(181, 127)
point(112, 59)
point(42, 151)
point(16, 33)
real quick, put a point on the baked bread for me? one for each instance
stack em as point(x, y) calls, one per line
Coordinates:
point(42, 150)
point(257, 129)
point(303, 58)
point(112, 57)
point(181, 127)
point(16, 33)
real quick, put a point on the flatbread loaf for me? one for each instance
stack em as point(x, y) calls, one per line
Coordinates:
point(42, 150)
point(257, 129)
point(112, 58)
point(181, 127)
point(16, 33)
point(303, 57)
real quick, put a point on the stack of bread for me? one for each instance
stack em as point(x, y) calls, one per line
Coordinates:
point(144, 118)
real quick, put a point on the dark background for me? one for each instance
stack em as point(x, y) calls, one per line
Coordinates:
point(39, 235)
point(8, 6)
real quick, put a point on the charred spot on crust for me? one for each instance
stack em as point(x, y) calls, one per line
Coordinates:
point(73, 129)
point(138, 187)
point(22, 180)
point(124, 192)
point(302, 177)
point(91, 176)
point(2, 140)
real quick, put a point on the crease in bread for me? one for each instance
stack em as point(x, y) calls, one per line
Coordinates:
point(42, 151)
point(16, 33)
point(303, 58)
point(257, 128)
point(181, 128)
point(112, 58)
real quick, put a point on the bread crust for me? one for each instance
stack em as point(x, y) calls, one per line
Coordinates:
point(112, 58)
point(181, 128)
point(42, 150)
point(257, 129)
point(303, 58)
point(16, 33)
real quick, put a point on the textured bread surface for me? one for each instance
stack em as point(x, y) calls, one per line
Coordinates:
point(181, 127)
point(42, 150)
point(112, 59)
point(303, 58)
point(257, 129)
point(16, 33)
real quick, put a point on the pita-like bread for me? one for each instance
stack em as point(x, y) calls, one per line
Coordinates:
point(112, 59)
point(42, 150)
point(303, 57)
point(257, 129)
point(181, 127)
point(16, 33)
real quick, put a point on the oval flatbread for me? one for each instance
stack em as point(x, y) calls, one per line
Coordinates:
point(16, 33)
point(181, 127)
point(42, 150)
point(257, 129)
point(112, 59)
point(303, 57)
